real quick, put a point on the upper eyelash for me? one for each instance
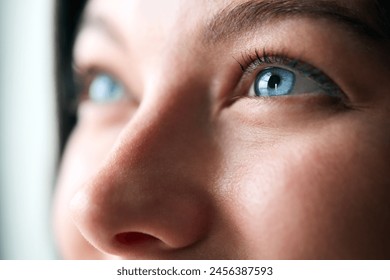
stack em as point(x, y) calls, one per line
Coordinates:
point(251, 60)
point(80, 78)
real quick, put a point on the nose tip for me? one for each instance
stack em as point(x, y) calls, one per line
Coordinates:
point(135, 221)
point(152, 194)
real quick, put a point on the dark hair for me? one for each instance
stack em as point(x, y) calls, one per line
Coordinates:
point(68, 14)
point(383, 9)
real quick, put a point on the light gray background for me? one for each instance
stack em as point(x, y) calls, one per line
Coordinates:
point(27, 129)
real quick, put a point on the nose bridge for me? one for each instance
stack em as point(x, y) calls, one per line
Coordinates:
point(153, 179)
point(171, 130)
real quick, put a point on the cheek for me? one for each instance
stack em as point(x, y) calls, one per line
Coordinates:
point(323, 196)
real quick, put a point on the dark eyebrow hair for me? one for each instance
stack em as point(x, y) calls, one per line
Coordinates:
point(250, 14)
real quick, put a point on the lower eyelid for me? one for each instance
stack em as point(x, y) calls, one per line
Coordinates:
point(307, 102)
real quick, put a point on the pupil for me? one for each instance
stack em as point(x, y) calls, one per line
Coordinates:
point(274, 81)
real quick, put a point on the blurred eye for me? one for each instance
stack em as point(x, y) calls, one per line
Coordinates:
point(105, 89)
point(277, 81)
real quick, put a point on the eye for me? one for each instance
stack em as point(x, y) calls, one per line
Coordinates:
point(280, 75)
point(105, 89)
point(277, 81)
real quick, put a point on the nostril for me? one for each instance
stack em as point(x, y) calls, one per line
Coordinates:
point(134, 238)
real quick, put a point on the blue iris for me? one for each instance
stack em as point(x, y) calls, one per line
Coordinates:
point(274, 81)
point(104, 89)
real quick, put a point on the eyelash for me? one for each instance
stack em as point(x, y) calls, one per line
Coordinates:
point(251, 62)
point(82, 78)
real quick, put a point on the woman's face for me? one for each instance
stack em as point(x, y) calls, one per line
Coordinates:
point(228, 130)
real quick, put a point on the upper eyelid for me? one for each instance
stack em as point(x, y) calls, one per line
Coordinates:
point(87, 73)
point(84, 71)
point(251, 62)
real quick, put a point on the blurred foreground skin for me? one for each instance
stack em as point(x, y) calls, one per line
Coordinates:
point(190, 161)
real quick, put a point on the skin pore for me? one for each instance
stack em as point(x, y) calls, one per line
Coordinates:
point(193, 158)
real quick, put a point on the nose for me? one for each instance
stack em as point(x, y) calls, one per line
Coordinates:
point(151, 196)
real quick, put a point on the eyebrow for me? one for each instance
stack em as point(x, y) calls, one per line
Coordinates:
point(249, 15)
point(102, 25)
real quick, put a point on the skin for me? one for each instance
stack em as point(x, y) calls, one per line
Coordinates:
point(186, 166)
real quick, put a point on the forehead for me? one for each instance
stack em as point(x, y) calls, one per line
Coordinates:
point(182, 27)
point(144, 14)
point(172, 16)
point(140, 22)
point(135, 24)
